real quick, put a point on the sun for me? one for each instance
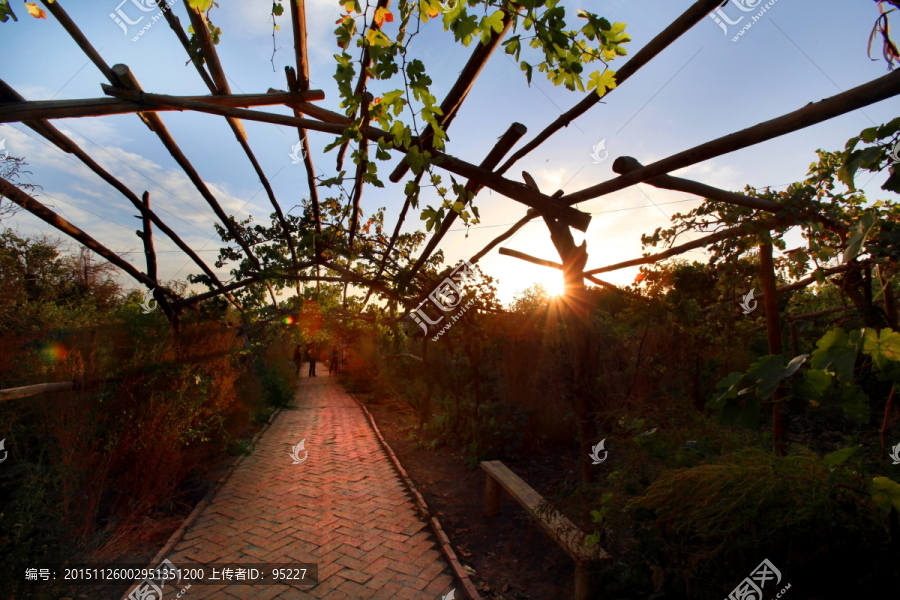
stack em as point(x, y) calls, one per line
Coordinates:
point(553, 283)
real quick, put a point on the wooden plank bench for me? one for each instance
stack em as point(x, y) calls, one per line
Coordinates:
point(557, 526)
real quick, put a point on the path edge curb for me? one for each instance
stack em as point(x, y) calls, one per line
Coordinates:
point(446, 547)
point(210, 496)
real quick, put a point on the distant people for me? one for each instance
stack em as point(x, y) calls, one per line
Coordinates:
point(311, 355)
point(334, 360)
point(298, 357)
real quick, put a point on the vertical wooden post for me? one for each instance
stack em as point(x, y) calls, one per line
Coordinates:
point(773, 331)
point(582, 589)
point(147, 237)
point(425, 403)
point(493, 496)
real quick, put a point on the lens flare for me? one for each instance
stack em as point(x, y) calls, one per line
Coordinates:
point(288, 320)
point(54, 352)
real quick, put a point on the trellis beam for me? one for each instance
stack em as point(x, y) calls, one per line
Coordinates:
point(14, 194)
point(13, 112)
point(126, 78)
point(627, 164)
point(511, 189)
point(457, 94)
point(666, 37)
point(813, 113)
point(509, 139)
point(64, 143)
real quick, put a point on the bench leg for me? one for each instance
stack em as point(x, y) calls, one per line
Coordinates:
point(493, 495)
point(582, 591)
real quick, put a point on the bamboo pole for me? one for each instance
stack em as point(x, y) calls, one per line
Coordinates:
point(460, 90)
point(14, 112)
point(666, 37)
point(16, 195)
point(813, 113)
point(773, 332)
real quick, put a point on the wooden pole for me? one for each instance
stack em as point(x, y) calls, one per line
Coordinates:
point(773, 331)
point(679, 26)
point(813, 113)
point(627, 164)
point(25, 110)
point(127, 80)
point(509, 139)
point(361, 169)
point(147, 237)
point(460, 90)
point(8, 190)
point(512, 189)
point(360, 88)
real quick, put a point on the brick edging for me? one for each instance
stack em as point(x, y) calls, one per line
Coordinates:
point(446, 548)
point(210, 496)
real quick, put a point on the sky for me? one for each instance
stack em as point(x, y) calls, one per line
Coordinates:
point(702, 87)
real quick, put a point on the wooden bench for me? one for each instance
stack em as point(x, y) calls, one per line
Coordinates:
point(558, 527)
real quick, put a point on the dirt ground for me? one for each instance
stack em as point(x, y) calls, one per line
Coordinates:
point(510, 555)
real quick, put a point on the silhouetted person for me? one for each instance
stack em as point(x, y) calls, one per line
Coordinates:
point(334, 360)
point(311, 355)
point(298, 357)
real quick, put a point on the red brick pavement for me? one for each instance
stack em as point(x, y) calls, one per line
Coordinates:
point(344, 508)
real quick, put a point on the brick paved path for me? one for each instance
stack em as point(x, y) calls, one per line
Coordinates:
point(344, 508)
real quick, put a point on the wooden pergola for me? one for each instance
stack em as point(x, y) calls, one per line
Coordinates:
point(559, 211)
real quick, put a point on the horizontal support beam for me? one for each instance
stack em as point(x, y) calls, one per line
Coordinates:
point(14, 112)
point(627, 164)
point(528, 258)
point(813, 113)
point(511, 189)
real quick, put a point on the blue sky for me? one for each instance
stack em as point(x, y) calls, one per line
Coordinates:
point(700, 88)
